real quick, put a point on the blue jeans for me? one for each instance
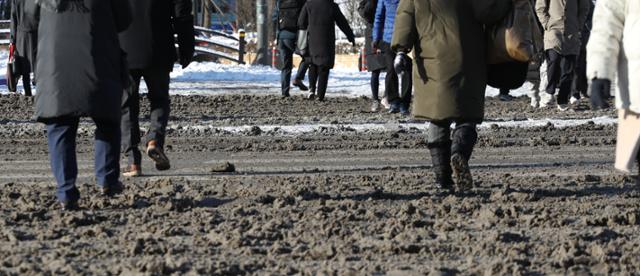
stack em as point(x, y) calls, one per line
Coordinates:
point(61, 137)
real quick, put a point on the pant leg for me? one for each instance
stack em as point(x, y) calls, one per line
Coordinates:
point(407, 86)
point(302, 69)
point(107, 153)
point(375, 84)
point(391, 79)
point(285, 49)
point(313, 77)
point(26, 82)
point(553, 71)
point(129, 124)
point(465, 136)
point(439, 133)
point(157, 81)
point(567, 68)
point(61, 139)
point(323, 80)
point(504, 91)
point(580, 84)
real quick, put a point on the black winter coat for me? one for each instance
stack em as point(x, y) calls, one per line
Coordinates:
point(149, 42)
point(319, 17)
point(24, 33)
point(80, 66)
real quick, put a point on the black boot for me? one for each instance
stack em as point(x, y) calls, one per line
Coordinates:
point(464, 139)
point(441, 160)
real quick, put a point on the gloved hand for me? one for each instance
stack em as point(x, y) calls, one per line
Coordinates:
point(375, 46)
point(401, 63)
point(353, 43)
point(600, 93)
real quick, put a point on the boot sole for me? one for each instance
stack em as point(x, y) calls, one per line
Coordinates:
point(161, 160)
point(461, 173)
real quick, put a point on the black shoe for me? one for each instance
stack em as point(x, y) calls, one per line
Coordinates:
point(300, 85)
point(287, 95)
point(157, 155)
point(113, 189)
point(395, 108)
point(69, 206)
point(461, 172)
point(441, 160)
point(404, 110)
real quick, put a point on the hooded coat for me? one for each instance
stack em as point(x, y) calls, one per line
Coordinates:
point(450, 68)
point(24, 33)
point(321, 30)
point(80, 67)
point(149, 42)
point(563, 21)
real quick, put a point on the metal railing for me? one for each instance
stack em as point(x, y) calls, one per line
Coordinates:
point(209, 43)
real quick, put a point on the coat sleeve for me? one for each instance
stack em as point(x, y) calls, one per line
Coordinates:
point(122, 14)
point(14, 23)
point(490, 11)
point(183, 26)
point(405, 32)
point(343, 24)
point(378, 21)
point(605, 42)
point(303, 18)
point(542, 10)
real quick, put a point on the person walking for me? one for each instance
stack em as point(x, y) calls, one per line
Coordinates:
point(562, 21)
point(319, 17)
point(81, 72)
point(382, 34)
point(450, 76)
point(580, 83)
point(151, 53)
point(285, 22)
point(375, 60)
point(24, 35)
point(614, 50)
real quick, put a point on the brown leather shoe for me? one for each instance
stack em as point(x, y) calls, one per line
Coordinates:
point(132, 171)
point(157, 155)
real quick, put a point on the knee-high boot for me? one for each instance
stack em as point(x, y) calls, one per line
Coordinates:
point(441, 159)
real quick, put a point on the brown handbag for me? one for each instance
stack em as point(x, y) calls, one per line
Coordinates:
point(517, 37)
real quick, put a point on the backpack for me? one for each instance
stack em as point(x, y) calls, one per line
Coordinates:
point(288, 13)
point(367, 10)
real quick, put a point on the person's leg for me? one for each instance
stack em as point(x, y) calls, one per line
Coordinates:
point(323, 80)
point(61, 139)
point(107, 155)
point(439, 144)
point(464, 139)
point(313, 79)
point(567, 67)
point(158, 83)
point(375, 85)
point(26, 82)
point(130, 126)
point(407, 86)
point(580, 84)
point(391, 78)
point(286, 48)
point(553, 71)
point(302, 71)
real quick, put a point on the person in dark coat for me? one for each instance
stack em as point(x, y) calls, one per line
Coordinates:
point(375, 60)
point(24, 35)
point(382, 33)
point(285, 23)
point(151, 52)
point(81, 72)
point(580, 84)
point(319, 17)
point(450, 75)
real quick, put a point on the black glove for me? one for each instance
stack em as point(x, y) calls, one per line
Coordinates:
point(375, 45)
point(186, 39)
point(600, 93)
point(401, 63)
point(353, 43)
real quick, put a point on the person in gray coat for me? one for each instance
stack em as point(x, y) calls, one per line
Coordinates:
point(24, 35)
point(81, 72)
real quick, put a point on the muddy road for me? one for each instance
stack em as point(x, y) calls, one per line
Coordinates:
point(322, 189)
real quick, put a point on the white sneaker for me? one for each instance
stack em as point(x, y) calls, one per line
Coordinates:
point(385, 103)
point(546, 99)
point(535, 98)
point(574, 100)
point(563, 107)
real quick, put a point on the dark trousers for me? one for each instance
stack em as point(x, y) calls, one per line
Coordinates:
point(375, 84)
point(26, 83)
point(391, 79)
point(580, 83)
point(286, 48)
point(464, 137)
point(318, 79)
point(157, 81)
point(61, 138)
point(504, 91)
point(560, 69)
